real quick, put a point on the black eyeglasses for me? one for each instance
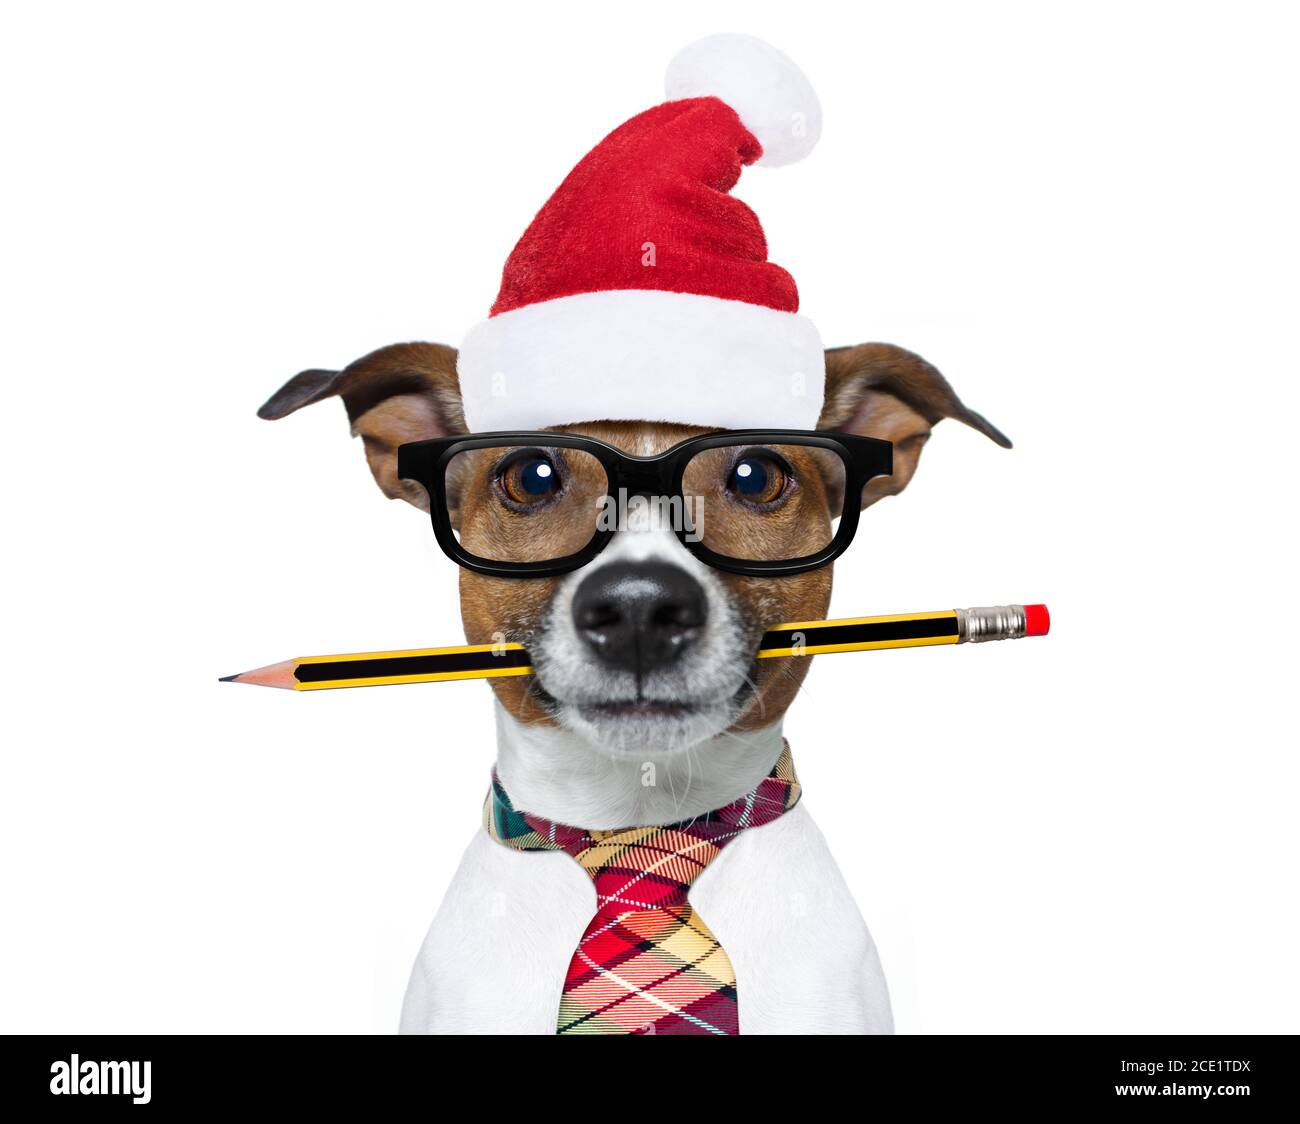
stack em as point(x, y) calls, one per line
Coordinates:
point(757, 501)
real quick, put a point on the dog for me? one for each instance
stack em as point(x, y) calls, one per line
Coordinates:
point(575, 741)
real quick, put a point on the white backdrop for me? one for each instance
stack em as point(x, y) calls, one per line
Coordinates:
point(1084, 214)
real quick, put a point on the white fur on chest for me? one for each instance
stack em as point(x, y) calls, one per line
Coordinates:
point(495, 957)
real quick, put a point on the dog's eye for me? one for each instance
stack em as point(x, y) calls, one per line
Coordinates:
point(758, 478)
point(528, 477)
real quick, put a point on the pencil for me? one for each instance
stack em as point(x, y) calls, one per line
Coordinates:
point(797, 638)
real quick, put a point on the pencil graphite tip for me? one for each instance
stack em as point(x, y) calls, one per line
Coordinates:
point(273, 675)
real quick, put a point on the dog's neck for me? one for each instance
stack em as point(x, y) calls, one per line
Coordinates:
point(554, 773)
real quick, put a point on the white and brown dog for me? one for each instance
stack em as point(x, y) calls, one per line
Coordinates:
point(644, 654)
point(572, 744)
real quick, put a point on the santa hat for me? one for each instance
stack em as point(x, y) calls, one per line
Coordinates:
point(642, 289)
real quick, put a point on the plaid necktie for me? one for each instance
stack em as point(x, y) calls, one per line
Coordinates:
point(647, 963)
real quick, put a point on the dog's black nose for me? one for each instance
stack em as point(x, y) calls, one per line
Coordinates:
point(639, 615)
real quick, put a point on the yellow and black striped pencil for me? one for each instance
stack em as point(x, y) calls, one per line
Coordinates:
point(798, 638)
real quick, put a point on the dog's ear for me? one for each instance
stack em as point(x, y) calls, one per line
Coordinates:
point(878, 390)
point(405, 392)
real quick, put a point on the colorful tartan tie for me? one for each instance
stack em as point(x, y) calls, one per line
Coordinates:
point(647, 964)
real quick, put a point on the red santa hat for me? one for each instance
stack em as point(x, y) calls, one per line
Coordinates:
point(642, 289)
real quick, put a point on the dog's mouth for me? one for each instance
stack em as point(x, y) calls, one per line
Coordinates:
point(641, 708)
point(636, 703)
point(633, 722)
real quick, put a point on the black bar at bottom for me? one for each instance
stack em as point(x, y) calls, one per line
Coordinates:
point(340, 1073)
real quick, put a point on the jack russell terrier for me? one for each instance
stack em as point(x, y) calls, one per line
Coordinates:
point(648, 745)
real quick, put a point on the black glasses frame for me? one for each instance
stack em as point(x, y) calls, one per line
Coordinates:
point(425, 462)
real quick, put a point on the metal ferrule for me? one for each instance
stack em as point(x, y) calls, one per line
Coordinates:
point(994, 622)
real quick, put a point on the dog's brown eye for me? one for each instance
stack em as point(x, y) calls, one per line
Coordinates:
point(758, 478)
point(528, 477)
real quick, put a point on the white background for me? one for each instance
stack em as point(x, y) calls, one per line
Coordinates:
point(1083, 213)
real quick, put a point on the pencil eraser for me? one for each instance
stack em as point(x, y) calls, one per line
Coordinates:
point(1037, 620)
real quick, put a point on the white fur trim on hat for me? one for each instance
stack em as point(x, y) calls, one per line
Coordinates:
point(769, 93)
point(642, 355)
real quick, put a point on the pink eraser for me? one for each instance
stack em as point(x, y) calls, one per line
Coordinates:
point(1037, 620)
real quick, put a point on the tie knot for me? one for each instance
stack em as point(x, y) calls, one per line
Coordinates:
point(645, 867)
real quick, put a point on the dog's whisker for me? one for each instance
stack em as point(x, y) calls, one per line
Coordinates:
point(757, 693)
point(690, 771)
point(672, 788)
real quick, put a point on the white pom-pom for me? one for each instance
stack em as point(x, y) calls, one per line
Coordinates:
point(768, 92)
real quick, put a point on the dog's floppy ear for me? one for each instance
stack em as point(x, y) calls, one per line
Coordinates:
point(404, 392)
point(879, 390)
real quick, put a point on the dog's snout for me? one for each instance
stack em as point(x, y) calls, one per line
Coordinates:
point(639, 616)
